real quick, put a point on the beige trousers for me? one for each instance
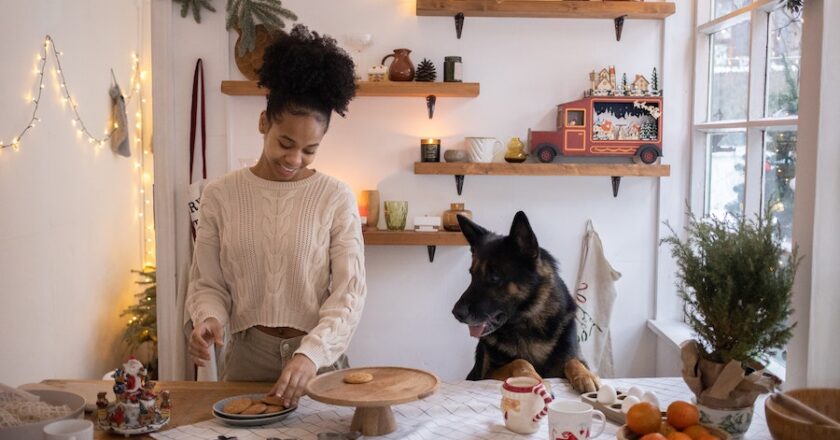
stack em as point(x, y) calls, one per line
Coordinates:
point(253, 356)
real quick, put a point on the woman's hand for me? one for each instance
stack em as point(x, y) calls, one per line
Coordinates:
point(203, 335)
point(292, 382)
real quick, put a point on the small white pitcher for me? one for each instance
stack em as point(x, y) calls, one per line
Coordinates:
point(524, 403)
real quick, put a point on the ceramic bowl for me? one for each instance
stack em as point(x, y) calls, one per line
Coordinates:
point(35, 431)
point(455, 155)
point(786, 426)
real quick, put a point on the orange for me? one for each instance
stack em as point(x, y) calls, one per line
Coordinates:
point(644, 418)
point(678, 436)
point(683, 414)
point(695, 432)
point(667, 429)
point(708, 437)
point(654, 436)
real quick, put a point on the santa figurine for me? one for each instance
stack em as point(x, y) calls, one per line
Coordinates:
point(165, 404)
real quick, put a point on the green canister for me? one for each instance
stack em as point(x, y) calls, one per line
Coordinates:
point(452, 69)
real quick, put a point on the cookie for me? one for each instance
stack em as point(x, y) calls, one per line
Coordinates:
point(257, 408)
point(236, 406)
point(273, 401)
point(271, 409)
point(358, 378)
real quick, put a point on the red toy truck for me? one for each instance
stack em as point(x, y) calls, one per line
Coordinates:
point(605, 126)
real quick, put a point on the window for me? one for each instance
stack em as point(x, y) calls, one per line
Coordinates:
point(746, 102)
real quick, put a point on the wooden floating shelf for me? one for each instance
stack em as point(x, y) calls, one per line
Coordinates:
point(541, 169)
point(431, 240)
point(379, 88)
point(614, 171)
point(546, 8)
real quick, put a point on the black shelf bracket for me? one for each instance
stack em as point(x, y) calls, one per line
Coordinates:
point(619, 26)
point(430, 104)
point(616, 181)
point(459, 24)
point(431, 248)
point(459, 183)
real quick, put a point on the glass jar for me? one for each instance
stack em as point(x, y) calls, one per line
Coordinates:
point(452, 69)
point(450, 219)
point(515, 151)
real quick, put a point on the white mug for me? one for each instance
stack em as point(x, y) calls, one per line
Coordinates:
point(482, 149)
point(74, 429)
point(572, 420)
point(524, 403)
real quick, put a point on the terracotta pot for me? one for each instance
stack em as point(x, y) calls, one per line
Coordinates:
point(450, 219)
point(250, 63)
point(402, 68)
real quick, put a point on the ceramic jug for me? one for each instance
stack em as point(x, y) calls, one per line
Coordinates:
point(401, 69)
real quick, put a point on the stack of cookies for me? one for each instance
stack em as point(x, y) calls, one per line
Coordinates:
point(248, 406)
point(251, 410)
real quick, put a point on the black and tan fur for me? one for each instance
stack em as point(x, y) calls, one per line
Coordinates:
point(525, 310)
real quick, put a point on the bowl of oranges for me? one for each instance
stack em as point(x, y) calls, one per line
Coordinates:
point(682, 422)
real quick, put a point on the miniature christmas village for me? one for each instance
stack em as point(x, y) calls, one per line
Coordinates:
point(624, 120)
point(604, 83)
point(136, 408)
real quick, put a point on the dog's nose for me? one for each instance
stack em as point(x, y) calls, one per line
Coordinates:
point(461, 312)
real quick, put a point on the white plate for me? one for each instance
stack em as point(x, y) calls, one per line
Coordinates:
point(218, 408)
point(35, 431)
point(265, 420)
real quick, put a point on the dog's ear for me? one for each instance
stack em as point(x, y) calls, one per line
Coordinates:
point(523, 236)
point(472, 231)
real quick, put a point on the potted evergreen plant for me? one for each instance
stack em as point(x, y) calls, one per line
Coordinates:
point(735, 279)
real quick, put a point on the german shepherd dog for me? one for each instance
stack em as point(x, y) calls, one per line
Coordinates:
point(519, 309)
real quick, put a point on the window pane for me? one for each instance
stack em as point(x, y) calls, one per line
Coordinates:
point(725, 177)
point(783, 53)
point(730, 73)
point(780, 178)
point(723, 7)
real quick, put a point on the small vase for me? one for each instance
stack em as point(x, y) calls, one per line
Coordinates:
point(735, 421)
point(450, 219)
point(369, 200)
point(515, 151)
point(401, 68)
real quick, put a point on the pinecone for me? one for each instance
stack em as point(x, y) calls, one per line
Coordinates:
point(425, 71)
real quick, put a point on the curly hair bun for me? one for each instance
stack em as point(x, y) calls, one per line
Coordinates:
point(307, 71)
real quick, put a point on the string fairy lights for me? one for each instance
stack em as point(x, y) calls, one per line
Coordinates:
point(77, 122)
point(143, 163)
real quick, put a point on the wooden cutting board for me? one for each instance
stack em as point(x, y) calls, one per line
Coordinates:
point(88, 389)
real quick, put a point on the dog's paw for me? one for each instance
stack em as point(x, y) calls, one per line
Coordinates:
point(581, 379)
point(586, 383)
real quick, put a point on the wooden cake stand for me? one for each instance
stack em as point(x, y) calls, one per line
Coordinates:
point(373, 400)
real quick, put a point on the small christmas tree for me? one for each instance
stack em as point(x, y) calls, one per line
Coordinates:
point(142, 322)
point(625, 89)
point(648, 132)
point(654, 83)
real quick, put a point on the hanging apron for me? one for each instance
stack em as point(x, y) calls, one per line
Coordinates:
point(595, 294)
point(197, 114)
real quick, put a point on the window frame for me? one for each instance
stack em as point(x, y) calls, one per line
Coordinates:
point(757, 12)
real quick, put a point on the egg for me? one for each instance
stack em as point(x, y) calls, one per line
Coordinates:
point(607, 395)
point(650, 397)
point(635, 392)
point(628, 402)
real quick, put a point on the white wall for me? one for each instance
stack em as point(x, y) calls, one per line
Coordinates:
point(526, 67)
point(69, 231)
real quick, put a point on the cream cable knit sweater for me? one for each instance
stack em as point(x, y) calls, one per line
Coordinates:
point(280, 254)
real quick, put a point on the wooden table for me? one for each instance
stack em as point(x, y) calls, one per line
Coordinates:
point(191, 401)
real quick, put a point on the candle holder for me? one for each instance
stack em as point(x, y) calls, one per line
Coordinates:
point(430, 150)
point(369, 207)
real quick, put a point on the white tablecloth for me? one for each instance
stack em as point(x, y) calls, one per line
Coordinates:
point(459, 410)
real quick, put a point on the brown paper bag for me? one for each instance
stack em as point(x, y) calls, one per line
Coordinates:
point(719, 385)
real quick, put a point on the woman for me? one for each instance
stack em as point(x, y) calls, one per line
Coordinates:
point(279, 255)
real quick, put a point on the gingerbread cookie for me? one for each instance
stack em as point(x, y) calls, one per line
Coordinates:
point(271, 409)
point(273, 400)
point(236, 406)
point(358, 378)
point(257, 408)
